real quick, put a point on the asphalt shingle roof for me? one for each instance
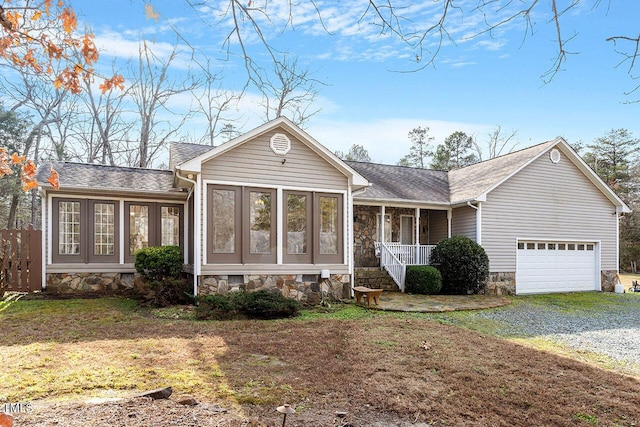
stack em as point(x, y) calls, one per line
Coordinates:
point(470, 182)
point(402, 183)
point(116, 178)
point(182, 152)
point(389, 182)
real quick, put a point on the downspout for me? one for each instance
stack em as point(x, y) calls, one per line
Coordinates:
point(45, 230)
point(478, 221)
point(353, 261)
point(196, 232)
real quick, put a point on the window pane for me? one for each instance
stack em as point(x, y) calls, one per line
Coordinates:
point(328, 225)
point(104, 220)
point(170, 217)
point(259, 222)
point(387, 228)
point(224, 221)
point(69, 229)
point(296, 224)
point(138, 227)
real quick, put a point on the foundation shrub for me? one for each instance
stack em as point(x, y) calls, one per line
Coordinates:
point(162, 267)
point(463, 264)
point(423, 279)
point(255, 305)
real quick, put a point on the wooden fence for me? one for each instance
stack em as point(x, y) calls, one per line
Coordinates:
point(21, 260)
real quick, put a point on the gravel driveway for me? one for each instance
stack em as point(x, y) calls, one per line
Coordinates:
point(612, 329)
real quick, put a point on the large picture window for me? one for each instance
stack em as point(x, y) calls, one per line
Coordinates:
point(328, 228)
point(242, 226)
point(84, 230)
point(298, 227)
point(152, 224)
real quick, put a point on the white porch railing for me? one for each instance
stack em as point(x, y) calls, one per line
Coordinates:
point(393, 265)
point(395, 257)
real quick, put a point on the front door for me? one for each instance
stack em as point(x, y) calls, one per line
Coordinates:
point(407, 230)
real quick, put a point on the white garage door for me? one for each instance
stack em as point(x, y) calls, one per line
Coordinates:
point(548, 266)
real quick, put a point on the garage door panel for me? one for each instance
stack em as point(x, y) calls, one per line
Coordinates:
point(545, 266)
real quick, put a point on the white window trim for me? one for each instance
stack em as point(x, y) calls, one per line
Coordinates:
point(279, 214)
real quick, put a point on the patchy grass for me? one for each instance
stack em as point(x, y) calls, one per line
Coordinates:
point(391, 366)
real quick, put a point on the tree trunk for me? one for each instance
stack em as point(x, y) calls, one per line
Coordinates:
point(12, 211)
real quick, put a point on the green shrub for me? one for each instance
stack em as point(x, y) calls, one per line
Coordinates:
point(162, 267)
point(269, 305)
point(160, 262)
point(463, 263)
point(256, 305)
point(423, 279)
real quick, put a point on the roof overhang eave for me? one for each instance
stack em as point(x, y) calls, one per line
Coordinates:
point(118, 191)
point(362, 201)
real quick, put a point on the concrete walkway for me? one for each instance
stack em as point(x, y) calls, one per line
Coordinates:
point(397, 301)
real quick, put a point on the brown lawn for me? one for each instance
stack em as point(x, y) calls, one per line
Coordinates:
point(380, 368)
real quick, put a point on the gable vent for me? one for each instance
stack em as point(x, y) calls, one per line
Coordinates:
point(280, 144)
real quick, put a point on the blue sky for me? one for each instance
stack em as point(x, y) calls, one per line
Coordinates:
point(474, 84)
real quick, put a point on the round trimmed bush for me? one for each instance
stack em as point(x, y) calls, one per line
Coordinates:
point(463, 263)
point(423, 279)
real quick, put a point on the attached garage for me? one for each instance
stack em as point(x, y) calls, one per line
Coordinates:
point(557, 266)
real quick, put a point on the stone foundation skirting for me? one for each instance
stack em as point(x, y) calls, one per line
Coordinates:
point(89, 282)
point(374, 278)
point(501, 283)
point(504, 283)
point(608, 280)
point(308, 289)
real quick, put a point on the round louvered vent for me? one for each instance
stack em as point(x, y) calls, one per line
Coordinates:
point(280, 144)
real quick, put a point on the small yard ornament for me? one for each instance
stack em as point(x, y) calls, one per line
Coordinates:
point(285, 409)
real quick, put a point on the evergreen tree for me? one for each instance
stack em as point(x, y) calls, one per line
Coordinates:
point(455, 153)
point(420, 148)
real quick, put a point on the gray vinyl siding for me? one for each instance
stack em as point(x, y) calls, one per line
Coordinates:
point(547, 201)
point(255, 163)
point(463, 222)
point(438, 226)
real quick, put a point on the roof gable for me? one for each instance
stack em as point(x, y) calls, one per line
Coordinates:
point(195, 164)
point(476, 181)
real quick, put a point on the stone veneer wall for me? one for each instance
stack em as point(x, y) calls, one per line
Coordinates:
point(89, 282)
point(502, 283)
point(364, 235)
point(374, 278)
point(365, 225)
point(308, 289)
point(608, 280)
point(505, 283)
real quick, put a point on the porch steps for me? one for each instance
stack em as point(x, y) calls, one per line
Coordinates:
point(374, 278)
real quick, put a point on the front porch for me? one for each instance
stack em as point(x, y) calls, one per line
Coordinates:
point(393, 237)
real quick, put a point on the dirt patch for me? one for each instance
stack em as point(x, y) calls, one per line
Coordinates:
point(381, 369)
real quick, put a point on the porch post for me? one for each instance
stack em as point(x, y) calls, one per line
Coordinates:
point(417, 236)
point(449, 211)
point(382, 214)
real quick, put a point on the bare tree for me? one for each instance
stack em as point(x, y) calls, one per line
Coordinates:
point(212, 102)
point(291, 91)
point(151, 91)
point(47, 107)
point(497, 144)
point(103, 129)
point(425, 35)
